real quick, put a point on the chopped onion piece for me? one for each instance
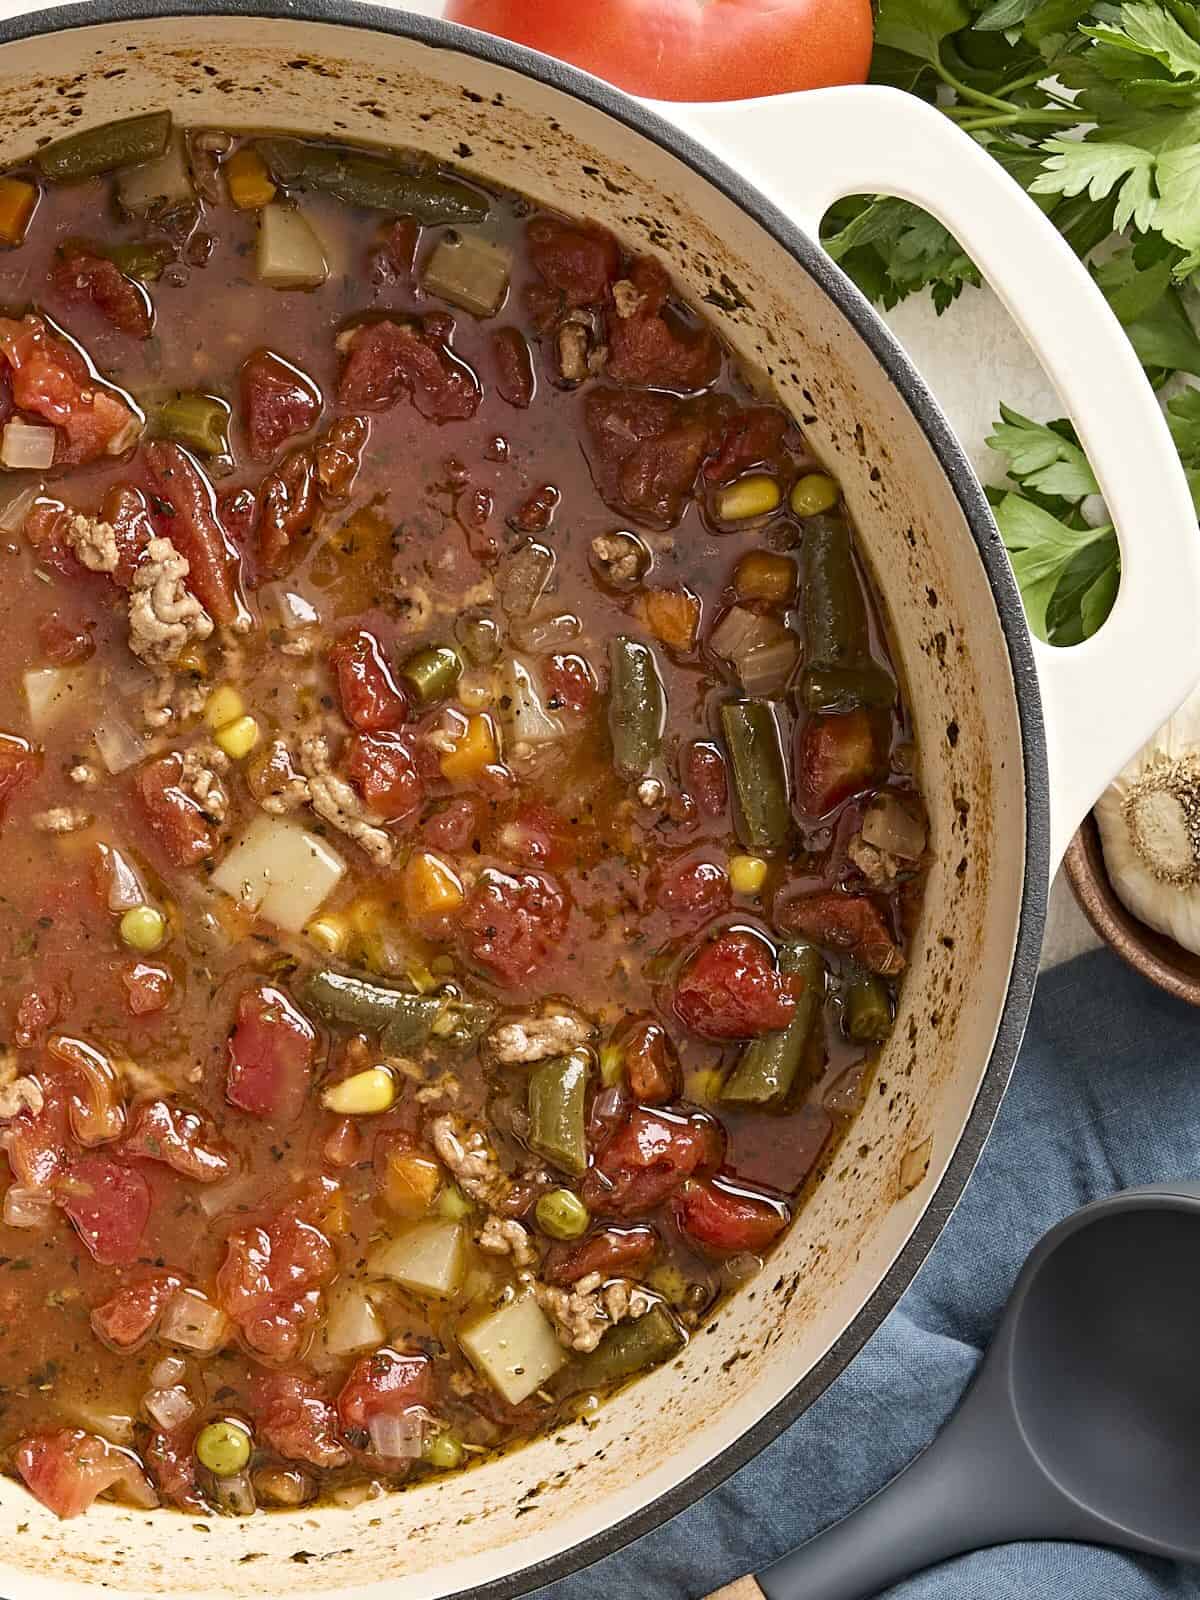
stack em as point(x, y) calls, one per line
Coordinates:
point(523, 579)
point(236, 1494)
point(398, 1438)
point(50, 691)
point(293, 610)
point(737, 630)
point(543, 635)
point(889, 825)
point(26, 447)
point(168, 1371)
point(125, 887)
point(12, 517)
point(194, 1322)
point(353, 1322)
point(169, 1407)
point(27, 1208)
point(119, 746)
point(766, 670)
point(530, 720)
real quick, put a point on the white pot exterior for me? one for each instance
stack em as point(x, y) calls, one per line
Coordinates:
point(971, 686)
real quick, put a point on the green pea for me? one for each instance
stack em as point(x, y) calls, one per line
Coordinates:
point(223, 1447)
point(814, 493)
point(562, 1214)
point(444, 1451)
point(144, 928)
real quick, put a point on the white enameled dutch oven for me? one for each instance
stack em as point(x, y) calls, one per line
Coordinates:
point(1016, 741)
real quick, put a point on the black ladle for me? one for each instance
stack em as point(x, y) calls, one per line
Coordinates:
point(1083, 1422)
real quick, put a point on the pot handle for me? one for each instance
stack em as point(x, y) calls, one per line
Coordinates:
point(1105, 697)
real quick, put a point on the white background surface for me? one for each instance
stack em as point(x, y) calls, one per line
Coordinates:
point(972, 357)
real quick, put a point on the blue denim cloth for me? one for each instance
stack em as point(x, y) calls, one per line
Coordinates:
point(1106, 1095)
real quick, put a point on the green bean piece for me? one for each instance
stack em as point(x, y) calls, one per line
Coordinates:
point(557, 1111)
point(141, 260)
point(363, 180)
point(751, 729)
point(630, 1347)
point(433, 672)
point(462, 1023)
point(637, 706)
point(866, 1008)
point(199, 421)
point(838, 663)
point(770, 1065)
point(104, 149)
point(406, 1019)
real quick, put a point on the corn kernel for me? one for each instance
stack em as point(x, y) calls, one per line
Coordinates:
point(368, 914)
point(250, 186)
point(328, 933)
point(813, 493)
point(366, 1094)
point(144, 928)
point(432, 887)
point(747, 874)
point(474, 751)
point(237, 739)
point(223, 706)
point(753, 496)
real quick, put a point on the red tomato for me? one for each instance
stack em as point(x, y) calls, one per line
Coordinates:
point(130, 1315)
point(382, 769)
point(693, 893)
point(271, 1054)
point(68, 1469)
point(278, 400)
point(51, 379)
point(126, 509)
point(649, 346)
point(81, 276)
point(64, 642)
point(835, 757)
point(722, 1218)
point(38, 1144)
point(515, 381)
point(295, 1417)
point(752, 437)
point(194, 529)
point(171, 1460)
point(691, 49)
point(18, 761)
point(569, 685)
point(183, 1140)
point(846, 922)
point(385, 1383)
point(37, 1009)
point(109, 1205)
point(147, 987)
point(395, 253)
point(648, 1158)
point(615, 1253)
point(271, 1279)
point(731, 990)
point(651, 1061)
point(385, 361)
point(513, 923)
point(175, 819)
point(454, 826)
point(371, 698)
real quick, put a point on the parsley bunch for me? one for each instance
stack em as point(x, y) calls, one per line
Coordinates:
point(1094, 108)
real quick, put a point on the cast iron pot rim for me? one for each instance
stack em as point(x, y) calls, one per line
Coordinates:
point(887, 351)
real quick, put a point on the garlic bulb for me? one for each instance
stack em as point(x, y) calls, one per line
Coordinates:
point(1149, 820)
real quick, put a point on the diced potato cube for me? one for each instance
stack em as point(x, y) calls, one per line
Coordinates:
point(52, 691)
point(515, 1348)
point(280, 870)
point(428, 1259)
point(469, 272)
point(290, 256)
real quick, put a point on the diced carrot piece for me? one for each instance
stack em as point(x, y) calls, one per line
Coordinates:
point(672, 615)
point(411, 1183)
point(431, 886)
point(250, 186)
point(475, 750)
point(17, 202)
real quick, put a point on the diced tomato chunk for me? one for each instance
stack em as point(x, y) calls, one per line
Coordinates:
point(39, 1142)
point(387, 1383)
point(650, 345)
point(381, 767)
point(271, 1279)
point(454, 826)
point(844, 922)
point(645, 449)
point(68, 1469)
point(175, 819)
point(130, 1315)
point(271, 1054)
point(371, 698)
point(182, 1139)
point(171, 1461)
point(147, 987)
point(51, 380)
point(289, 503)
point(126, 509)
point(109, 1205)
point(705, 778)
point(195, 530)
point(730, 989)
point(647, 1159)
point(753, 437)
point(721, 1218)
point(569, 685)
point(576, 261)
point(515, 381)
point(836, 756)
point(238, 513)
point(651, 1061)
point(295, 1417)
point(384, 361)
point(513, 923)
point(37, 1010)
point(18, 761)
point(395, 254)
point(613, 1252)
point(693, 893)
point(64, 642)
point(278, 400)
point(81, 276)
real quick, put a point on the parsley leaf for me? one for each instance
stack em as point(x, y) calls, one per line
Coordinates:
point(1041, 458)
point(1041, 548)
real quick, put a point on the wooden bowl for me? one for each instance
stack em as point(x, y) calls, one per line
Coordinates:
point(1152, 954)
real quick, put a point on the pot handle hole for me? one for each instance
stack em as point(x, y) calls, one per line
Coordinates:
point(1103, 698)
